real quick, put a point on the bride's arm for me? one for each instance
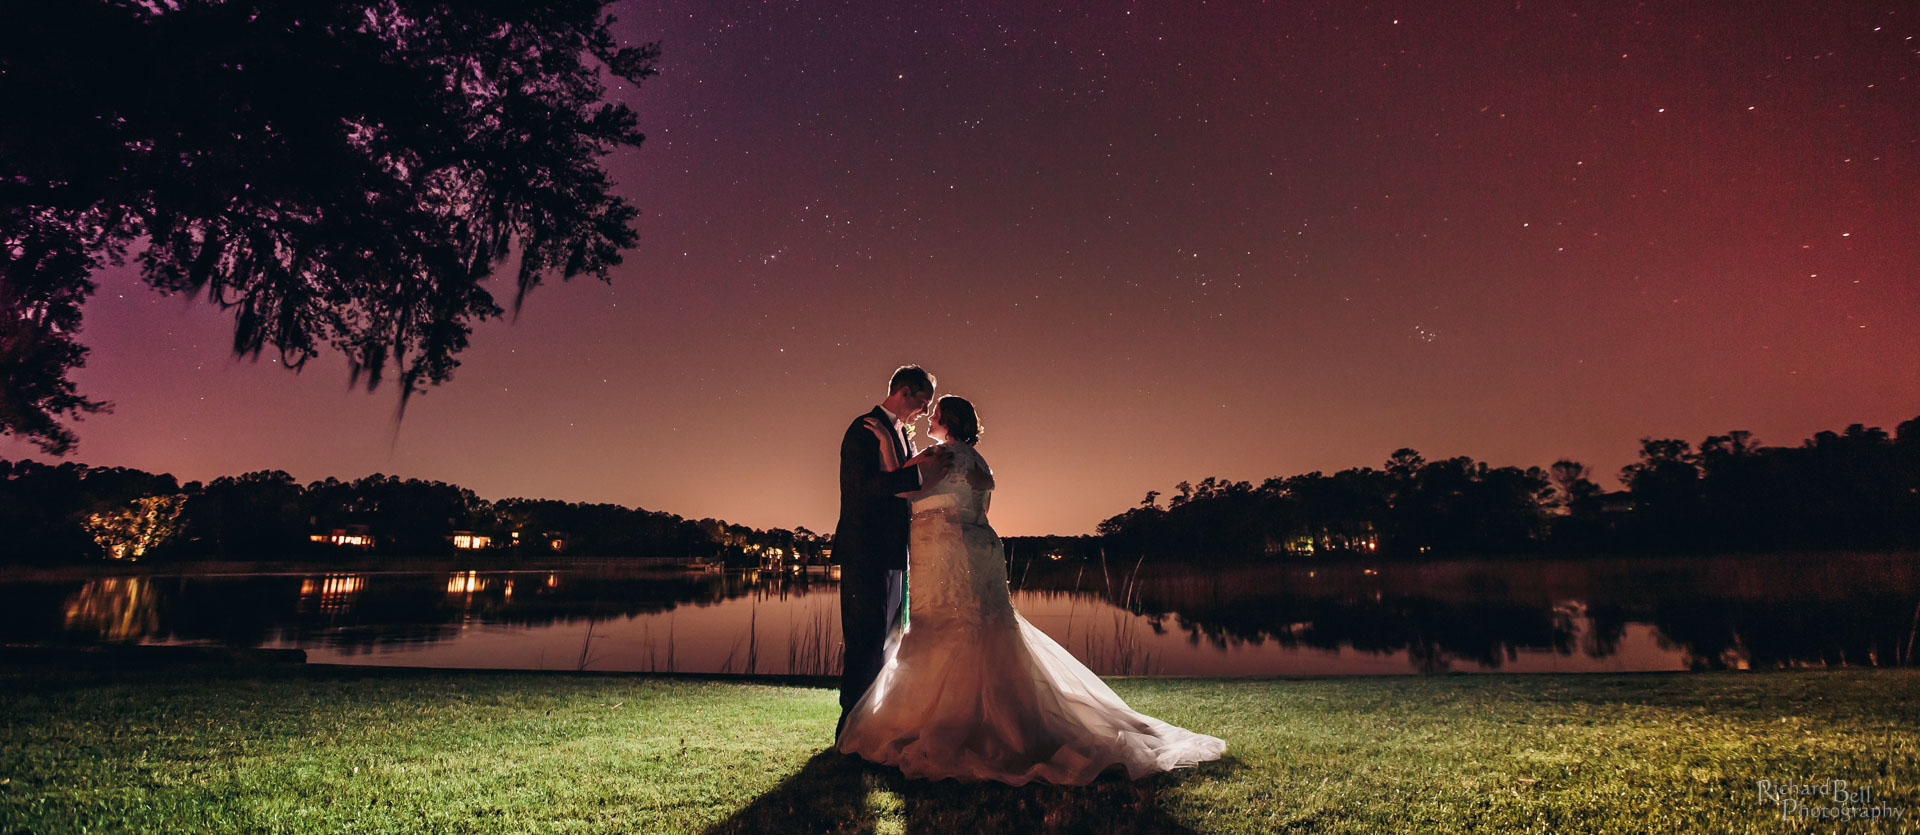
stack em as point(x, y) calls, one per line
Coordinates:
point(863, 468)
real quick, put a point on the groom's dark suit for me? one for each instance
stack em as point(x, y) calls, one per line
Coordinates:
point(870, 542)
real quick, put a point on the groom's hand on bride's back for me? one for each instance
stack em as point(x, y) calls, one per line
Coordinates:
point(933, 464)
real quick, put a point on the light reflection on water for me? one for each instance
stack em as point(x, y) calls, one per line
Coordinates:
point(114, 609)
point(1549, 616)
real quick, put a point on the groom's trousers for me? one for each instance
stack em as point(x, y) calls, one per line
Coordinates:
point(871, 603)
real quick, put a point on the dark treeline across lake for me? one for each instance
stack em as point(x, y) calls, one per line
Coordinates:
point(1611, 614)
point(71, 513)
point(1856, 489)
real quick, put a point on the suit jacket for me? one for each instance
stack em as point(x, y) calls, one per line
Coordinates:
point(872, 532)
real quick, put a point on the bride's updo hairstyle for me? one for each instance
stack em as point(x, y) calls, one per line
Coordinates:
point(959, 419)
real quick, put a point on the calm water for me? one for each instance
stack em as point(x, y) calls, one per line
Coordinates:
point(1347, 618)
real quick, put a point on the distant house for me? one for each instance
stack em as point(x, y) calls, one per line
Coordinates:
point(771, 559)
point(548, 540)
point(349, 536)
point(1323, 540)
point(470, 541)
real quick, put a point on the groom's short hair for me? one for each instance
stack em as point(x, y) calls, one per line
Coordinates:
point(913, 378)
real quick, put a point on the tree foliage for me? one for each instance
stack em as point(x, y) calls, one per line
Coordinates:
point(1854, 489)
point(137, 528)
point(339, 174)
point(69, 512)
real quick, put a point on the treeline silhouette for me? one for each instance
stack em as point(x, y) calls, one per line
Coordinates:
point(73, 512)
point(1854, 489)
point(1857, 489)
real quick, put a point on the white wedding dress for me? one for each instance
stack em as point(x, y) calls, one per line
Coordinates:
point(972, 691)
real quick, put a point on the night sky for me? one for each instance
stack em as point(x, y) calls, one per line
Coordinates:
point(1153, 242)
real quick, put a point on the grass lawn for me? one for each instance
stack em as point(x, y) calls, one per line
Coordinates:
point(329, 749)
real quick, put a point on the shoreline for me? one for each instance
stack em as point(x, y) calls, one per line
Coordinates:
point(28, 573)
point(32, 573)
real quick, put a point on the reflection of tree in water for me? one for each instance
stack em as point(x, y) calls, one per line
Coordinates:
point(1606, 625)
point(114, 609)
point(1329, 610)
point(358, 612)
point(1731, 612)
point(1720, 632)
point(1433, 633)
point(1715, 612)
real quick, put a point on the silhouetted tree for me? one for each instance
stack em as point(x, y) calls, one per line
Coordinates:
point(1858, 488)
point(252, 516)
point(1573, 486)
point(338, 174)
point(1907, 486)
point(1665, 484)
point(1184, 495)
point(1577, 501)
point(42, 509)
point(1848, 477)
point(265, 515)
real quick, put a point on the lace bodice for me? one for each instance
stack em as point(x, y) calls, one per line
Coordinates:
point(957, 572)
point(966, 488)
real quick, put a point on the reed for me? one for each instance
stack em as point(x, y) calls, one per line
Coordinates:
point(586, 647)
point(653, 651)
point(1911, 632)
point(753, 647)
point(1122, 653)
point(815, 649)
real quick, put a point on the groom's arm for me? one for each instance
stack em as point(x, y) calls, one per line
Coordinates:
point(862, 470)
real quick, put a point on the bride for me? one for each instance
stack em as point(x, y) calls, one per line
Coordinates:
point(970, 690)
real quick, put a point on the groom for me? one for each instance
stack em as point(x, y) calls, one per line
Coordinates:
point(871, 538)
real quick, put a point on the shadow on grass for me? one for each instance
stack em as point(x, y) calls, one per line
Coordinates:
point(837, 793)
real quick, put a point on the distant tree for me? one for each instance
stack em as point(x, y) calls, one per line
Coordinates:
point(1665, 484)
point(44, 509)
point(1137, 531)
point(138, 528)
point(1851, 486)
point(1906, 449)
point(1577, 503)
point(1736, 444)
point(806, 543)
point(1513, 504)
point(1743, 497)
point(412, 517)
point(255, 516)
point(338, 174)
point(1184, 495)
point(1574, 490)
point(41, 508)
point(1405, 464)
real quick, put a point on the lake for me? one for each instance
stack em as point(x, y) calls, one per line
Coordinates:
point(1329, 618)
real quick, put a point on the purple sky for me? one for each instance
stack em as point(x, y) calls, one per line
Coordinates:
point(1154, 242)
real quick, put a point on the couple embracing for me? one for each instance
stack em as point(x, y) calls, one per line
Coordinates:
point(942, 677)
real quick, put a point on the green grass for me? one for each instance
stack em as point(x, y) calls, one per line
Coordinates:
point(318, 749)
